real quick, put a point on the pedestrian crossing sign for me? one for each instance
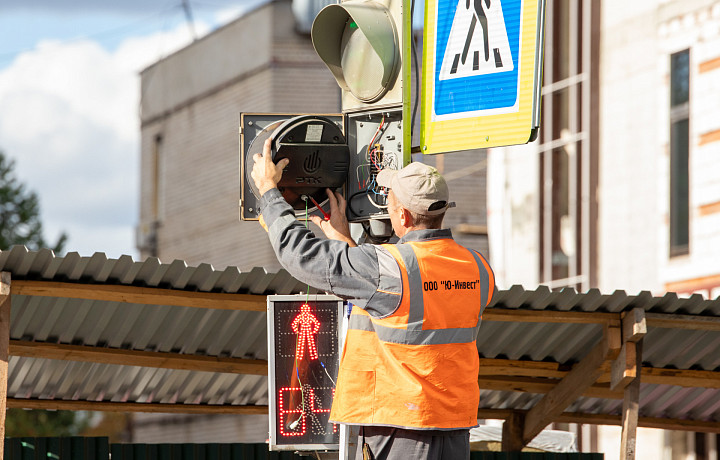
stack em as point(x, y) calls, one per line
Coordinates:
point(482, 64)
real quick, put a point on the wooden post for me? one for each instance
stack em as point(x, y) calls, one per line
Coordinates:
point(631, 405)
point(512, 433)
point(573, 385)
point(4, 346)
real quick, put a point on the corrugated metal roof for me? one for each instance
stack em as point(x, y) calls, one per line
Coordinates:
point(44, 265)
point(242, 334)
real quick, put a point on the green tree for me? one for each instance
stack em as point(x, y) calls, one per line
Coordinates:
point(20, 224)
point(21, 423)
point(20, 213)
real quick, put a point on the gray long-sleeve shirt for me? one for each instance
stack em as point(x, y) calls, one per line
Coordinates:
point(368, 272)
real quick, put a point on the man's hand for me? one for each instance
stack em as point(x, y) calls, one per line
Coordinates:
point(337, 228)
point(265, 173)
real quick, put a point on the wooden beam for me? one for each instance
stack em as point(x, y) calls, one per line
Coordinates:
point(497, 367)
point(137, 358)
point(692, 322)
point(681, 377)
point(631, 407)
point(624, 368)
point(551, 316)
point(141, 295)
point(104, 406)
point(606, 419)
point(5, 302)
point(634, 325)
point(512, 432)
point(575, 383)
point(496, 372)
point(541, 386)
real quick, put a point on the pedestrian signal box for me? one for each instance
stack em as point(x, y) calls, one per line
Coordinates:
point(340, 152)
point(304, 353)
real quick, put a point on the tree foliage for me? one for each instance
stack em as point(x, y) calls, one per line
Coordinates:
point(20, 213)
point(27, 423)
point(20, 225)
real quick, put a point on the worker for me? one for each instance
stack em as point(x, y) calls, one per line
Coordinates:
point(408, 372)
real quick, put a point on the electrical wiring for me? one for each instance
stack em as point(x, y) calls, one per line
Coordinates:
point(372, 141)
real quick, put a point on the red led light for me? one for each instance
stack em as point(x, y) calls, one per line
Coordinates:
point(306, 325)
point(283, 412)
point(303, 410)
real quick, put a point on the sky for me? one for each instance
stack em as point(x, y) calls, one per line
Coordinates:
point(69, 105)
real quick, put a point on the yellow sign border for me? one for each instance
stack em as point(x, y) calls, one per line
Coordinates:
point(473, 132)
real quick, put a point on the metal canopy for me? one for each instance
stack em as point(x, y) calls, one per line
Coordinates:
point(92, 333)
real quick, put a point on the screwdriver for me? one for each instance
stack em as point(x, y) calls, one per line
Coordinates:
point(326, 215)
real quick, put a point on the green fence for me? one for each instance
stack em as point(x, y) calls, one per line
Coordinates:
point(198, 452)
point(57, 448)
point(78, 448)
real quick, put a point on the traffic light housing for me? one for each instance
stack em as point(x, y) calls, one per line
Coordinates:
point(318, 153)
point(366, 46)
point(360, 42)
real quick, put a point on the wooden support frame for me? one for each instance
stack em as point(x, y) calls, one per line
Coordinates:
point(141, 295)
point(691, 322)
point(551, 316)
point(631, 408)
point(538, 376)
point(106, 406)
point(626, 374)
point(137, 358)
point(626, 367)
point(573, 385)
point(594, 376)
point(539, 385)
point(512, 432)
point(614, 420)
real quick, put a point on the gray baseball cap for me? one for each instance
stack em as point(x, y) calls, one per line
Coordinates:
point(419, 188)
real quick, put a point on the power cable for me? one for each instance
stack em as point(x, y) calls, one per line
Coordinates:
point(417, 71)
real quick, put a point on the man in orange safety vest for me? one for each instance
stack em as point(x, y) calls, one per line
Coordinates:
point(408, 372)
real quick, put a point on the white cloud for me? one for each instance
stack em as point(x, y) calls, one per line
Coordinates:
point(69, 117)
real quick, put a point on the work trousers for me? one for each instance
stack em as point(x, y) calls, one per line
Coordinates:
point(386, 443)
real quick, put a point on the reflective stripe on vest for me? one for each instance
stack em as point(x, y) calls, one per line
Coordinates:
point(414, 333)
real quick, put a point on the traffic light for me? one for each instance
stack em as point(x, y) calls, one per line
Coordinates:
point(365, 44)
point(360, 42)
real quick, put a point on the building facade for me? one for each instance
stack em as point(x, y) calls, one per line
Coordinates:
point(621, 191)
point(190, 109)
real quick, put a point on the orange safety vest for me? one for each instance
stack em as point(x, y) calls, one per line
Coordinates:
point(418, 367)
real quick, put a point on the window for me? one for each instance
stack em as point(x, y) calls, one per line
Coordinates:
point(568, 144)
point(679, 153)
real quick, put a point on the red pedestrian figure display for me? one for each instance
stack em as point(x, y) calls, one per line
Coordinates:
point(305, 325)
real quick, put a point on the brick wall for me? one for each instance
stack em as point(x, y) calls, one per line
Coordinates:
point(198, 156)
point(635, 171)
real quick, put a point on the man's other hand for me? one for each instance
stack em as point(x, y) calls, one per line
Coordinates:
point(265, 173)
point(337, 228)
